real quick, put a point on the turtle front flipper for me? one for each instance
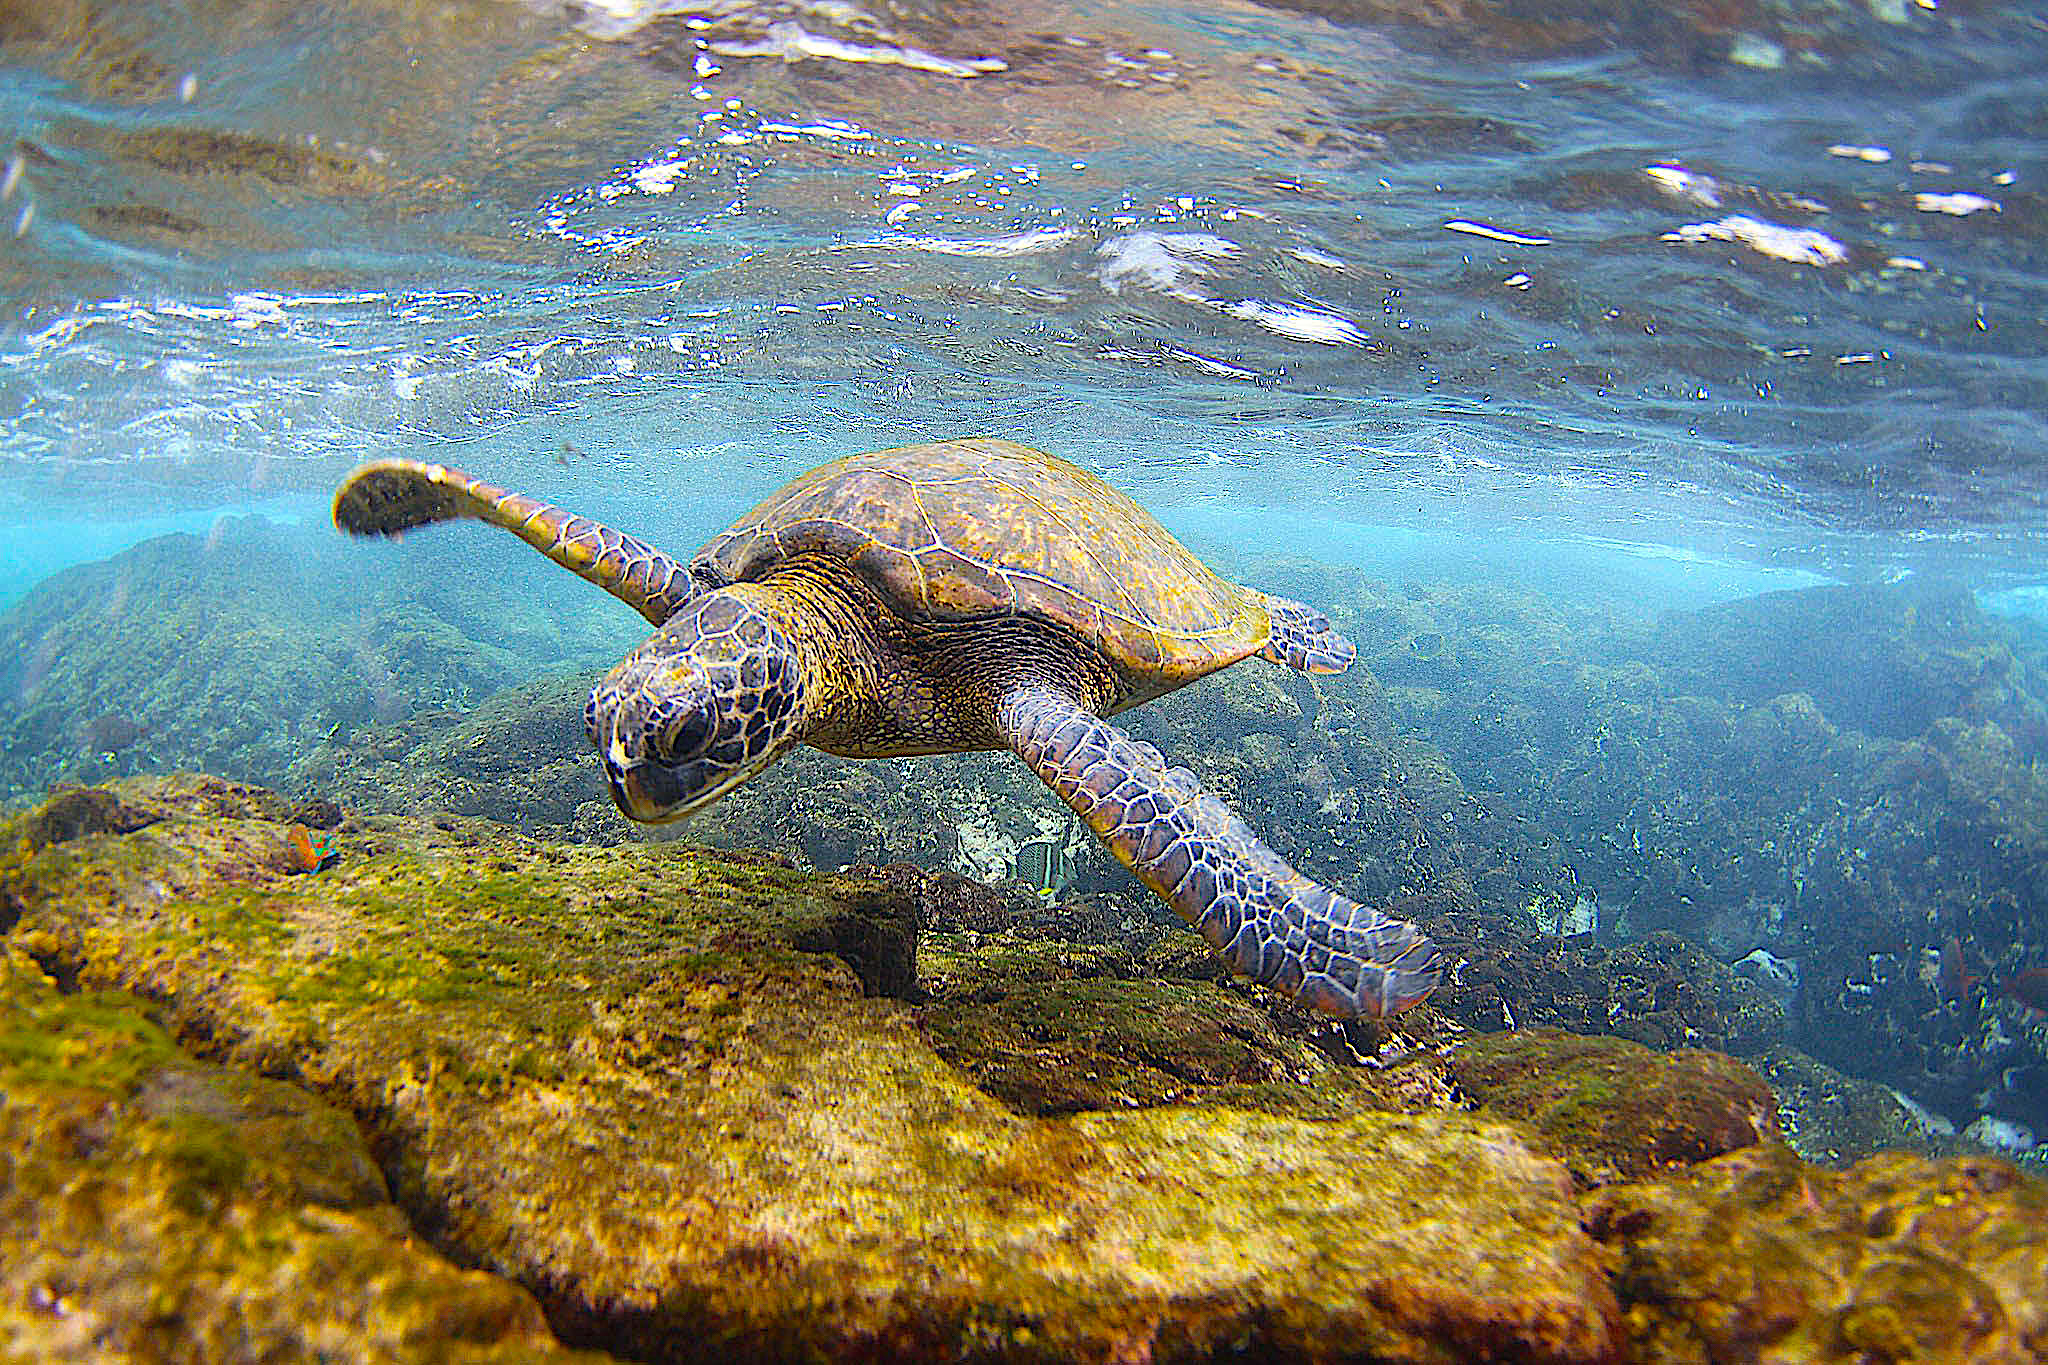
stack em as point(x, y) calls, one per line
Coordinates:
point(1303, 638)
point(1267, 920)
point(391, 496)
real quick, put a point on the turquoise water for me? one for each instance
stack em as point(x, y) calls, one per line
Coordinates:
point(1618, 281)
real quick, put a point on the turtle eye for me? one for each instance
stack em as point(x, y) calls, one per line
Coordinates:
point(689, 736)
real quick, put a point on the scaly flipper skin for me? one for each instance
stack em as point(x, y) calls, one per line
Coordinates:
point(390, 496)
point(1267, 920)
point(1303, 638)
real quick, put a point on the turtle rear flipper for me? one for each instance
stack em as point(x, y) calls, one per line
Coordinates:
point(1303, 638)
point(391, 496)
point(1275, 925)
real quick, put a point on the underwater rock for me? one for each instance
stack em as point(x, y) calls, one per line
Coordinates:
point(640, 1082)
point(1755, 1256)
point(1707, 777)
point(1883, 659)
point(1051, 1027)
point(1662, 991)
point(238, 652)
point(78, 812)
point(156, 1208)
point(520, 751)
point(1612, 1109)
point(1834, 1119)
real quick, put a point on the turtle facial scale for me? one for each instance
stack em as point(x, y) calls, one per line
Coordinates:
point(709, 700)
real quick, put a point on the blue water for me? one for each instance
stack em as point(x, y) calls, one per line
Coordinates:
point(1401, 295)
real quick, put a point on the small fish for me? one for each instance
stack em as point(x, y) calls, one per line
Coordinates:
point(1045, 866)
point(1956, 981)
point(311, 849)
point(2030, 988)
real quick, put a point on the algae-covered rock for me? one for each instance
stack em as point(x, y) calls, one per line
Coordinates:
point(1755, 1256)
point(1051, 1028)
point(1613, 1109)
point(1662, 990)
point(155, 1208)
point(640, 1082)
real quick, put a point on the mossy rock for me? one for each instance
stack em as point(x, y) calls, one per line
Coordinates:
point(157, 1208)
point(1613, 1109)
point(1054, 1027)
point(639, 1082)
point(973, 967)
point(1757, 1256)
point(1061, 1046)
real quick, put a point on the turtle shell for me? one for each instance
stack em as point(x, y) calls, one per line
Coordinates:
point(984, 529)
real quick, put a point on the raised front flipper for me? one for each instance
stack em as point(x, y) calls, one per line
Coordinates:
point(1304, 639)
point(1268, 920)
point(396, 495)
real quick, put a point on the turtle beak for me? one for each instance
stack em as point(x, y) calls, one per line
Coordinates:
point(645, 792)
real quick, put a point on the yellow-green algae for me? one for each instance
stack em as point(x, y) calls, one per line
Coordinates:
point(1755, 1256)
point(1052, 1027)
point(634, 1080)
point(156, 1208)
point(1613, 1109)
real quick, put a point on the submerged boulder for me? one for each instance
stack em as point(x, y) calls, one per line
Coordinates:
point(1613, 1109)
point(1756, 1256)
point(663, 1090)
point(153, 1207)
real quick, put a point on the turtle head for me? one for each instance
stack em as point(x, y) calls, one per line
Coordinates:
point(711, 699)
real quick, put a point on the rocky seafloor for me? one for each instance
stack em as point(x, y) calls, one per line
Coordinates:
point(465, 1094)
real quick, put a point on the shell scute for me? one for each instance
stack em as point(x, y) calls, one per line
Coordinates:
point(965, 530)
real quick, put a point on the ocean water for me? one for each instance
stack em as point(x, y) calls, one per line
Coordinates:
point(1656, 394)
point(1509, 293)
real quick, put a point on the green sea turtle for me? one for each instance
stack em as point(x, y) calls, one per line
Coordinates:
point(972, 594)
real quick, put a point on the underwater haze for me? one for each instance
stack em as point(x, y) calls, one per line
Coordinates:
point(1654, 394)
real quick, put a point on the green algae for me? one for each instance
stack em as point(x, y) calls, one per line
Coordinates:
point(1612, 1109)
point(157, 1208)
point(619, 1077)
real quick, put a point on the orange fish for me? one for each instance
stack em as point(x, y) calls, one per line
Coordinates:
point(311, 851)
point(1958, 983)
